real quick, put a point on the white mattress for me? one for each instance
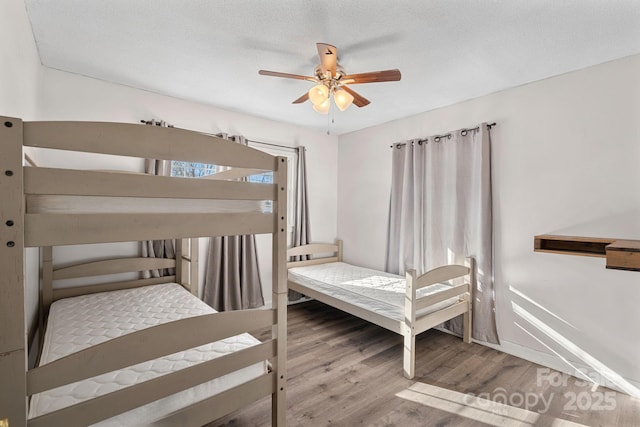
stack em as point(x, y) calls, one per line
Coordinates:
point(80, 322)
point(375, 291)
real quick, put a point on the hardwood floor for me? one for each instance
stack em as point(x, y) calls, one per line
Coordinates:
point(346, 372)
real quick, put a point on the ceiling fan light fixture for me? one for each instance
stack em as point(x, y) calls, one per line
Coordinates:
point(318, 94)
point(331, 82)
point(323, 108)
point(342, 98)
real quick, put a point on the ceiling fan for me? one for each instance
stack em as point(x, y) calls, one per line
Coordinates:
point(331, 79)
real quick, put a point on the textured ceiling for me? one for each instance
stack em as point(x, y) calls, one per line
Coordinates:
point(447, 50)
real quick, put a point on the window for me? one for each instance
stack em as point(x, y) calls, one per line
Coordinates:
point(264, 178)
point(292, 169)
point(197, 170)
point(191, 169)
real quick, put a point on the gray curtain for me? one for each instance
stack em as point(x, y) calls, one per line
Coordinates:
point(440, 213)
point(302, 228)
point(232, 277)
point(158, 248)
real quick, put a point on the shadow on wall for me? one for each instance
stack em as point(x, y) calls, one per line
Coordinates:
point(536, 321)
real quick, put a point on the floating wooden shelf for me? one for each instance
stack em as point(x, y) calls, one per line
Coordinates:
point(572, 245)
point(620, 254)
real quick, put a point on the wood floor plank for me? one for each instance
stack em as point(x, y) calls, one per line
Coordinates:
point(343, 371)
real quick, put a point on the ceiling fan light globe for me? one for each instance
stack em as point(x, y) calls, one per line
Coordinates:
point(318, 94)
point(323, 108)
point(342, 98)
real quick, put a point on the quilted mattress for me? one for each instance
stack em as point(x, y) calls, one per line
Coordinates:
point(373, 290)
point(80, 322)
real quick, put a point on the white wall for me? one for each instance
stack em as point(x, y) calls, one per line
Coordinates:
point(66, 96)
point(19, 86)
point(20, 69)
point(566, 160)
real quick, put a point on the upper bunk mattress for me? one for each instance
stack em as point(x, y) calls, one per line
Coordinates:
point(80, 322)
point(376, 291)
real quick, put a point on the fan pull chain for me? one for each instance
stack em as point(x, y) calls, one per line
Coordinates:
point(329, 118)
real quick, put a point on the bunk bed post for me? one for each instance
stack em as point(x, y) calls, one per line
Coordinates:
point(181, 277)
point(187, 264)
point(280, 290)
point(339, 243)
point(409, 359)
point(194, 260)
point(46, 288)
point(46, 277)
point(13, 344)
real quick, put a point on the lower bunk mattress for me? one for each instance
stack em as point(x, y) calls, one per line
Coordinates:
point(80, 322)
point(376, 291)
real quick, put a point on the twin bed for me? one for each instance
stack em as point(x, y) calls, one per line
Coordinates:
point(405, 305)
point(137, 351)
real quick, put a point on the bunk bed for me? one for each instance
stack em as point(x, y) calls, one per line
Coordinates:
point(405, 305)
point(48, 207)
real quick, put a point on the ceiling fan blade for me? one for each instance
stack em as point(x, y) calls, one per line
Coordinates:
point(373, 77)
point(328, 55)
point(358, 100)
point(302, 99)
point(286, 75)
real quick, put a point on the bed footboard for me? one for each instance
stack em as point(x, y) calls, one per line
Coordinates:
point(414, 304)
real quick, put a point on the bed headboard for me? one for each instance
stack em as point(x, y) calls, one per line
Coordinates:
point(184, 265)
point(313, 250)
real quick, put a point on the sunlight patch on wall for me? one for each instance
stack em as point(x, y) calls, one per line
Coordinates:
point(601, 370)
point(530, 301)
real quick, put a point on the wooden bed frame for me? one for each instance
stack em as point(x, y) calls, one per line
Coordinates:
point(412, 325)
point(21, 229)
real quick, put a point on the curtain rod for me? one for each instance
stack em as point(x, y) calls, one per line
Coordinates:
point(160, 123)
point(274, 145)
point(437, 138)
